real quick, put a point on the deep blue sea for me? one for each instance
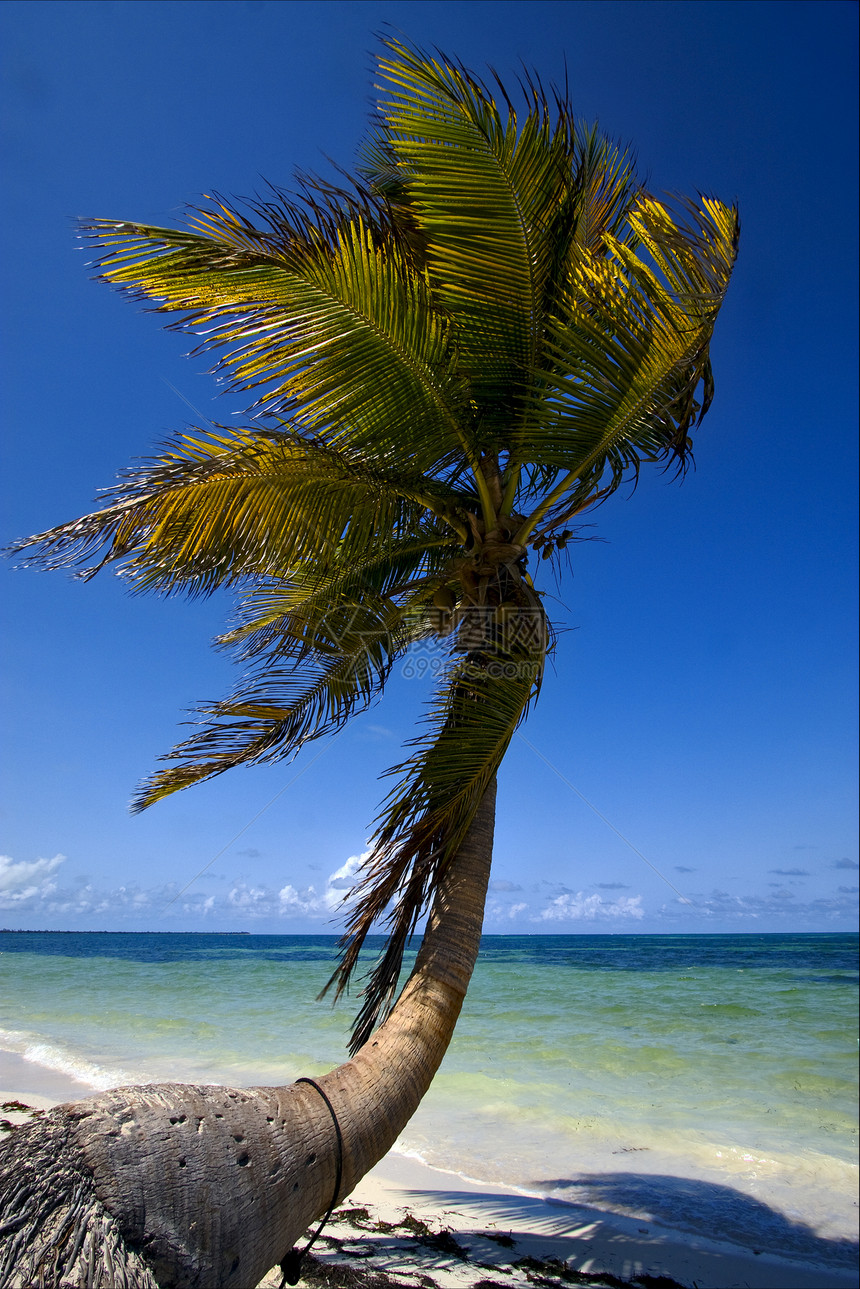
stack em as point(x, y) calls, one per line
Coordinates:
point(704, 1082)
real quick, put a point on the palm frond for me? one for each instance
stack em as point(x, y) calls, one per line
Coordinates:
point(314, 314)
point(404, 570)
point(218, 507)
point(345, 658)
point(484, 191)
point(631, 363)
point(605, 189)
point(426, 816)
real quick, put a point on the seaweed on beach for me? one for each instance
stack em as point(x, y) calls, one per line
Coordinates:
point(552, 1272)
point(341, 1275)
point(361, 1218)
point(18, 1107)
point(341, 1267)
point(320, 1273)
point(441, 1241)
point(499, 1237)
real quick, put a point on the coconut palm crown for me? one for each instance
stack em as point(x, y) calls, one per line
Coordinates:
point(455, 354)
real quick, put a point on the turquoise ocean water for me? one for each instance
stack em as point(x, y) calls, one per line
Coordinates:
point(707, 1083)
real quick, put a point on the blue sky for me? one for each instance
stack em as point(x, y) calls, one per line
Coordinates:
point(703, 695)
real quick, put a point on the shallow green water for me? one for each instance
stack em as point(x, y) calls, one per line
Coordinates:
point(707, 1082)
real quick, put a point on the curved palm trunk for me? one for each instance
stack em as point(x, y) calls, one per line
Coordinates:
point(177, 1185)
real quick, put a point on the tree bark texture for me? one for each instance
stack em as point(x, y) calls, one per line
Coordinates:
point(175, 1185)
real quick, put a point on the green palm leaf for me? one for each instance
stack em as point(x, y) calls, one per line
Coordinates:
point(217, 508)
point(630, 353)
point(313, 318)
point(484, 193)
point(406, 571)
point(426, 816)
point(345, 661)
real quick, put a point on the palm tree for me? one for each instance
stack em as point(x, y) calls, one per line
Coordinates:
point(456, 353)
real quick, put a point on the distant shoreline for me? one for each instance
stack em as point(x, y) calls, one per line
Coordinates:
point(488, 935)
point(8, 930)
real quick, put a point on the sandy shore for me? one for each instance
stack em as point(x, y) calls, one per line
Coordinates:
point(413, 1226)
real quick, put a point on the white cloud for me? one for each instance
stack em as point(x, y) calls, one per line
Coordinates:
point(291, 901)
point(30, 887)
point(589, 908)
point(22, 881)
point(249, 897)
point(342, 880)
point(779, 907)
point(38, 892)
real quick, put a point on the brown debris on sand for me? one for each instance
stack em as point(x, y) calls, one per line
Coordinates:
point(367, 1252)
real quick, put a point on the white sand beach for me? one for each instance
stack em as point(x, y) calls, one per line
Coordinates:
point(410, 1225)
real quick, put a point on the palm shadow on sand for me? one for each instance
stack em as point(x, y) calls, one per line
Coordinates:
point(700, 1209)
point(705, 1209)
point(567, 1238)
